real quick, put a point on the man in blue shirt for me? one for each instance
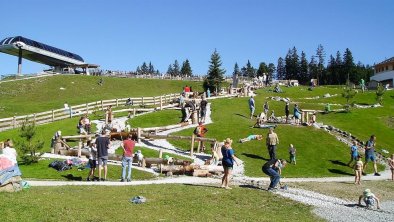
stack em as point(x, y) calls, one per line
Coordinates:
point(370, 154)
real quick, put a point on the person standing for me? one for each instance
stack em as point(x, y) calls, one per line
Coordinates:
point(227, 162)
point(203, 109)
point(200, 131)
point(92, 160)
point(251, 106)
point(370, 154)
point(272, 141)
point(273, 168)
point(266, 108)
point(391, 165)
point(102, 144)
point(297, 114)
point(127, 160)
point(287, 111)
point(358, 169)
point(353, 153)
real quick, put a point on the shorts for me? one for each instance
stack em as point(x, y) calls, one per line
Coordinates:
point(354, 157)
point(227, 167)
point(297, 116)
point(203, 113)
point(102, 161)
point(292, 158)
point(370, 157)
point(251, 109)
point(92, 164)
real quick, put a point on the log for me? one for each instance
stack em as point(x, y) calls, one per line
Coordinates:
point(154, 136)
point(201, 173)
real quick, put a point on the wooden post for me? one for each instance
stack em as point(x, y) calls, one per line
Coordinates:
point(87, 108)
point(14, 122)
point(142, 101)
point(192, 146)
point(102, 105)
point(71, 112)
point(198, 146)
point(117, 102)
point(53, 115)
point(161, 153)
point(79, 147)
point(139, 134)
point(134, 112)
point(34, 118)
point(154, 100)
point(161, 102)
point(307, 117)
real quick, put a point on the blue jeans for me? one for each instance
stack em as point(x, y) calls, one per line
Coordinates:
point(272, 151)
point(126, 162)
point(275, 177)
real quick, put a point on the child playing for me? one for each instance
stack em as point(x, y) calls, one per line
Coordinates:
point(369, 199)
point(292, 152)
point(92, 160)
point(251, 137)
point(358, 170)
point(353, 153)
point(391, 164)
point(139, 157)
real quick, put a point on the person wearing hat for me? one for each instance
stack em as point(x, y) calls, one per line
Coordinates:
point(227, 162)
point(369, 199)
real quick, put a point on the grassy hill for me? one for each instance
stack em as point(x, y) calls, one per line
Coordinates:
point(43, 94)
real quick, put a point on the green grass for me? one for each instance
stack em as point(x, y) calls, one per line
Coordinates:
point(164, 203)
point(151, 153)
point(160, 118)
point(43, 94)
point(40, 170)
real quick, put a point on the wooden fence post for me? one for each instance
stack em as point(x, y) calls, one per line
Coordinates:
point(14, 122)
point(87, 108)
point(139, 134)
point(117, 102)
point(102, 105)
point(134, 112)
point(192, 145)
point(154, 100)
point(34, 118)
point(79, 147)
point(142, 100)
point(53, 115)
point(161, 102)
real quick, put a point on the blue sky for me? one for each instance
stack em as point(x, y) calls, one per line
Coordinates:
point(120, 35)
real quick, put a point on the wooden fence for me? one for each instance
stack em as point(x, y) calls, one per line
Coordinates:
point(58, 114)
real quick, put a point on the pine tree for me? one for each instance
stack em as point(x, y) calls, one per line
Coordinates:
point(249, 70)
point(170, 71)
point(215, 73)
point(288, 65)
point(28, 146)
point(157, 72)
point(236, 74)
point(263, 68)
point(280, 69)
point(337, 72)
point(292, 64)
point(144, 68)
point(138, 70)
point(151, 69)
point(176, 69)
point(348, 66)
point(271, 70)
point(320, 65)
point(186, 70)
point(303, 69)
point(313, 68)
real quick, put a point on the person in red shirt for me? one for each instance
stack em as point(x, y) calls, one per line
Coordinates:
point(127, 160)
point(200, 131)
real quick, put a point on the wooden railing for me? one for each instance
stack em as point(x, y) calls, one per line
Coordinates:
point(59, 114)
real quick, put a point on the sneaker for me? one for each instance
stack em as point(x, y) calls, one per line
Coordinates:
point(228, 188)
point(272, 189)
point(88, 179)
point(122, 180)
point(128, 180)
point(377, 174)
point(102, 179)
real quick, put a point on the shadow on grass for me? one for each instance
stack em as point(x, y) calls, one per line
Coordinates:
point(336, 171)
point(337, 162)
point(72, 177)
point(203, 185)
point(242, 115)
point(254, 156)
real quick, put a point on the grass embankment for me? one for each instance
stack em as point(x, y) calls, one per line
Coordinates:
point(43, 94)
point(156, 119)
point(164, 203)
point(41, 171)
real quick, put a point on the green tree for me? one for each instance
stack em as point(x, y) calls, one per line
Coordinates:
point(215, 74)
point(144, 68)
point(313, 68)
point(28, 146)
point(349, 66)
point(280, 69)
point(263, 68)
point(170, 70)
point(186, 69)
point(176, 69)
point(379, 94)
point(236, 74)
point(271, 70)
point(321, 55)
point(249, 70)
point(151, 69)
point(138, 70)
point(303, 78)
point(348, 93)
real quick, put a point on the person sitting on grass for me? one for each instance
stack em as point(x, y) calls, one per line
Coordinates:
point(251, 137)
point(353, 153)
point(391, 164)
point(369, 199)
point(358, 169)
point(292, 152)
